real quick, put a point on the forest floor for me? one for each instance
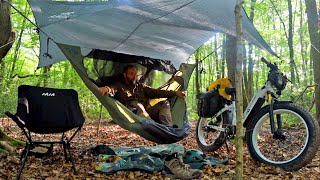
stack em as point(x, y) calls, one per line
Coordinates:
point(54, 166)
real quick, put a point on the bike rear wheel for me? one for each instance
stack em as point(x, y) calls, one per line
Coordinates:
point(292, 147)
point(211, 132)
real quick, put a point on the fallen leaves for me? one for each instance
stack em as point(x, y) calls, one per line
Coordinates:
point(55, 167)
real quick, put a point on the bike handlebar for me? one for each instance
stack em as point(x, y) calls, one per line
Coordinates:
point(269, 64)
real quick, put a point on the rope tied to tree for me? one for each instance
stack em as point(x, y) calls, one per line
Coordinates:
point(200, 62)
point(7, 44)
point(37, 28)
point(21, 13)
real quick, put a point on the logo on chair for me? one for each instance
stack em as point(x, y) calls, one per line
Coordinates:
point(48, 94)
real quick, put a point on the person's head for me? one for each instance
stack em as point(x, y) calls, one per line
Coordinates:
point(130, 74)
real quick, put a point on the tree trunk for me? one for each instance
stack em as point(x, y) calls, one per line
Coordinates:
point(231, 57)
point(311, 76)
point(223, 57)
point(250, 60)
point(6, 36)
point(197, 74)
point(5, 32)
point(311, 8)
point(257, 74)
point(6, 41)
point(245, 77)
point(290, 44)
point(239, 99)
point(302, 50)
point(218, 70)
point(17, 49)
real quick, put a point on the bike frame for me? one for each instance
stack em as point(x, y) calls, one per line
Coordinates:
point(253, 107)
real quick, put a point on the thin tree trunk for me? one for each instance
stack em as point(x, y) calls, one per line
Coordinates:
point(257, 75)
point(250, 85)
point(312, 15)
point(46, 76)
point(245, 77)
point(231, 57)
point(244, 74)
point(250, 73)
point(311, 76)
point(302, 50)
point(290, 44)
point(17, 47)
point(197, 74)
point(239, 99)
point(210, 64)
point(223, 57)
point(218, 70)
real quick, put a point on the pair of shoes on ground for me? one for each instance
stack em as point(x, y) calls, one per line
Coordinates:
point(175, 168)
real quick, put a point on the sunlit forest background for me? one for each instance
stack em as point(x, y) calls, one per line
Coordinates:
point(287, 35)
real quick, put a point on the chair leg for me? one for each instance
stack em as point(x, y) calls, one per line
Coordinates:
point(24, 161)
point(71, 158)
point(65, 151)
point(68, 156)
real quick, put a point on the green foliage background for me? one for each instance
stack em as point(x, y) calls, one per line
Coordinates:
point(23, 58)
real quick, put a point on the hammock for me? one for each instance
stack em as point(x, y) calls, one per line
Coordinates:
point(146, 128)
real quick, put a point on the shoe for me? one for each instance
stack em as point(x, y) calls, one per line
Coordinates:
point(175, 168)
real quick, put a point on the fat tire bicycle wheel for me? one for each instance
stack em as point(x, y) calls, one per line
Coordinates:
point(293, 147)
point(210, 135)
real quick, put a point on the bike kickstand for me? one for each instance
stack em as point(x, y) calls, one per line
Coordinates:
point(227, 146)
point(228, 156)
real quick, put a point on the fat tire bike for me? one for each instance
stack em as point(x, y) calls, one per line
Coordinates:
point(277, 132)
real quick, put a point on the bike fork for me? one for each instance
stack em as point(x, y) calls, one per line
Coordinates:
point(271, 116)
point(277, 133)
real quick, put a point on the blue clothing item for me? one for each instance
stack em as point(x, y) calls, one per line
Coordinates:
point(141, 162)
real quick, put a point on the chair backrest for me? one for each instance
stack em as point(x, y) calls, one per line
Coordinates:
point(48, 110)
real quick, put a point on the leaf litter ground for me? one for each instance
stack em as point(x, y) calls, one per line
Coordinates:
point(54, 166)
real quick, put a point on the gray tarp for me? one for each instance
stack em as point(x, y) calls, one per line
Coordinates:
point(160, 29)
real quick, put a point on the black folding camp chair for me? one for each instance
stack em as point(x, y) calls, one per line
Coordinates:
point(47, 111)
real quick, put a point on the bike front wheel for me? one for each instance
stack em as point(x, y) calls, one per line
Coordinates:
point(292, 146)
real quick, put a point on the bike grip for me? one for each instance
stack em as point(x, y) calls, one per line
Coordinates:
point(265, 61)
point(230, 91)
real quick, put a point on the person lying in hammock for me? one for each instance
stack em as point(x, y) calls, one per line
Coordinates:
point(135, 95)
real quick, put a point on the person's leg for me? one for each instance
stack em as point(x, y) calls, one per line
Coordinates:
point(161, 113)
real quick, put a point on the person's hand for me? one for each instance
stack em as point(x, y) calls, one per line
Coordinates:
point(181, 93)
point(105, 90)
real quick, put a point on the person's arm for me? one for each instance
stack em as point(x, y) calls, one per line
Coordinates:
point(158, 93)
point(105, 90)
point(181, 93)
point(108, 90)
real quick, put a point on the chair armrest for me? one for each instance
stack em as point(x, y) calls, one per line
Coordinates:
point(16, 119)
